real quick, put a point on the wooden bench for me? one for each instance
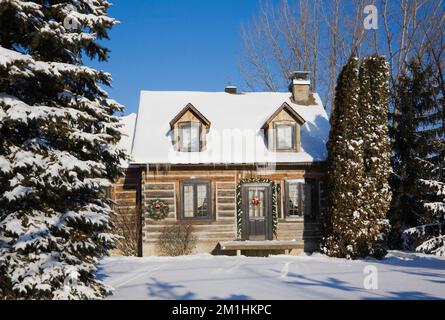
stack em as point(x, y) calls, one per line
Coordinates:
point(260, 245)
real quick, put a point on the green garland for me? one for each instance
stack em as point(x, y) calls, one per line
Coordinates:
point(157, 209)
point(239, 207)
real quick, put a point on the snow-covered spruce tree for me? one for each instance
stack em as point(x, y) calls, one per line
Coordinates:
point(414, 100)
point(345, 169)
point(427, 235)
point(374, 108)
point(430, 237)
point(57, 149)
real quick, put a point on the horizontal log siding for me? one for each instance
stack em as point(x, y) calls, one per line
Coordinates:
point(165, 185)
point(124, 193)
point(298, 230)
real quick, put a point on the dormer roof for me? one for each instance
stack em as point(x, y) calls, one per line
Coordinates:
point(286, 107)
point(194, 111)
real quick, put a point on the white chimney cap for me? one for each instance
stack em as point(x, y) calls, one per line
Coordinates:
point(301, 82)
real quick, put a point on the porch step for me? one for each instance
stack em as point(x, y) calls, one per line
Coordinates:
point(261, 245)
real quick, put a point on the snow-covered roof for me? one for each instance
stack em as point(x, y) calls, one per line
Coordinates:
point(127, 130)
point(235, 135)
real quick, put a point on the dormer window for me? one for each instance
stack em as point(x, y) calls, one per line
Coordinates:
point(282, 130)
point(189, 136)
point(189, 130)
point(285, 135)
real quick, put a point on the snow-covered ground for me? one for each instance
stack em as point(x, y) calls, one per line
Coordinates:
point(399, 276)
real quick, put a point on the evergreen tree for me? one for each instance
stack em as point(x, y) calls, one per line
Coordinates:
point(345, 166)
point(374, 107)
point(427, 226)
point(430, 237)
point(58, 149)
point(359, 162)
point(414, 102)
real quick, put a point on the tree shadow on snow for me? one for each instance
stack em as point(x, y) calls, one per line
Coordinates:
point(411, 262)
point(422, 273)
point(233, 297)
point(405, 295)
point(344, 286)
point(438, 281)
point(330, 282)
point(100, 273)
point(167, 291)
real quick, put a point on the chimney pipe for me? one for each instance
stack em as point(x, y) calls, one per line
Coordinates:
point(300, 86)
point(230, 89)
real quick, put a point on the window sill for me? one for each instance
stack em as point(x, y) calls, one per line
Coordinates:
point(286, 151)
point(203, 220)
point(294, 219)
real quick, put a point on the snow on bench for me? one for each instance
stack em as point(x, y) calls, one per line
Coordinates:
point(261, 245)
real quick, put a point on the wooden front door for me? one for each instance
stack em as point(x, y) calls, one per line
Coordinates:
point(257, 211)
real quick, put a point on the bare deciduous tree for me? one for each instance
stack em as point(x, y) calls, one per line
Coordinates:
point(125, 224)
point(320, 35)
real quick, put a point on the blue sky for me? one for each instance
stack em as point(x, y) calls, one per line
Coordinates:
point(175, 45)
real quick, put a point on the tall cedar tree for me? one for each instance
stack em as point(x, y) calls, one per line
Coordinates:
point(58, 149)
point(358, 162)
point(414, 101)
point(345, 166)
point(374, 108)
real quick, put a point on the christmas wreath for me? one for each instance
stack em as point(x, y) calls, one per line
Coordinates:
point(157, 209)
point(255, 201)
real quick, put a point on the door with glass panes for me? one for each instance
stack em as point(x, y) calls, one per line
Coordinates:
point(257, 212)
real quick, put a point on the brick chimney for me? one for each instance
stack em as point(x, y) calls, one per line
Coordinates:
point(231, 89)
point(300, 86)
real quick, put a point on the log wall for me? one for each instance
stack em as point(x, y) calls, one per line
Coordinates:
point(165, 185)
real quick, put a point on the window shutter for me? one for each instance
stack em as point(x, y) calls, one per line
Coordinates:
point(272, 138)
point(307, 200)
point(301, 197)
point(178, 139)
point(286, 199)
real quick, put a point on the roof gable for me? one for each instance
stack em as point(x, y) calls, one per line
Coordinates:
point(192, 109)
point(284, 107)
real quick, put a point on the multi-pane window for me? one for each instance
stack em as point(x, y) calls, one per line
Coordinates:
point(188, 201)
point(202, 207)
point(256, 204)
point(189, 136)
point(294, 198)
point(298, 199)
point(195, 200)
point(284, 136)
